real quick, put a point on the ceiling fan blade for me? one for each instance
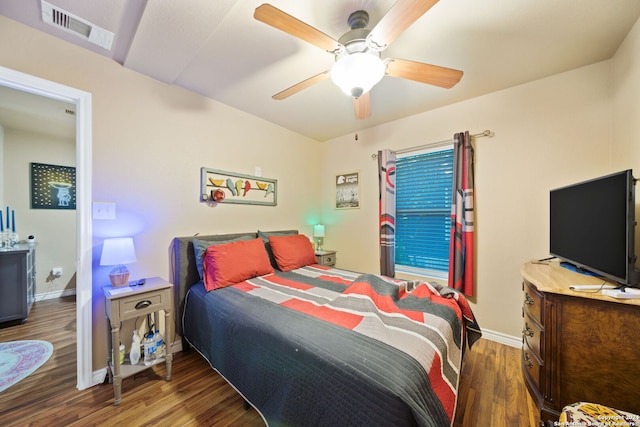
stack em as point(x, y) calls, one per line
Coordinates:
point(283, 21)
point(362, 106)
point(400, 17)
point(302, 85)
point(424, 73)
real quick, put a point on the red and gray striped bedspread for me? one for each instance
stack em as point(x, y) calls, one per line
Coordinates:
point(323, 346)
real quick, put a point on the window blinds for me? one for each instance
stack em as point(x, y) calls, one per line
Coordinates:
point(423, 210)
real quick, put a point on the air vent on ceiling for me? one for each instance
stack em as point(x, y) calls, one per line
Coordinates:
point(70, 23)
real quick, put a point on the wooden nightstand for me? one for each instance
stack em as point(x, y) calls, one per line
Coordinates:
point(326, 257)
point(130, 302)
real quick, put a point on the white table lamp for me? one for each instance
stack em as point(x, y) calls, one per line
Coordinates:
point(118, 251)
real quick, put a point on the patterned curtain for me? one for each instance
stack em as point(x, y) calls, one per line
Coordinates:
point(387, 188)
point(461, 253)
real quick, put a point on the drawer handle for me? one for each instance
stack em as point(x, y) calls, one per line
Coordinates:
point(143, 304)
point(527, 361)
point(528, 299)
point(527, 330)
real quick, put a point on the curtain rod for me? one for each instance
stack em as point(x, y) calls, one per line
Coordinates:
point(436, 144)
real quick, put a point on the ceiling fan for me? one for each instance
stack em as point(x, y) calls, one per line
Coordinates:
point(359, 65)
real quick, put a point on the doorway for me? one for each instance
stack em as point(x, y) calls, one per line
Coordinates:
point(84, 287)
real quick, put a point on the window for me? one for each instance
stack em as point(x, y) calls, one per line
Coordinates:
point(423, 212)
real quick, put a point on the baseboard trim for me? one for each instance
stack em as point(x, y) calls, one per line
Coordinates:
point(98, 376)
point(55, 294)
point(501, 338)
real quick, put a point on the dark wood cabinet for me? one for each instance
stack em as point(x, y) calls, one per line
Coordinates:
point(577, 346)
point(17, 282)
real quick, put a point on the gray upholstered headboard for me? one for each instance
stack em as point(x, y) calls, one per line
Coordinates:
point(184, 272)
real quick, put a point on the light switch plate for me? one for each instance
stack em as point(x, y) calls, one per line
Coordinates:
point(104, 210)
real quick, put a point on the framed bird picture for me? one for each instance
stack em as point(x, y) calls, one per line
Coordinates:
point(220, 186)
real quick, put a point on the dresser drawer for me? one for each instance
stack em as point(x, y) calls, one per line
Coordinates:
point(140, 304)
point(533, 301)
point(532, 366)
point(534, 336)
point(327, 258)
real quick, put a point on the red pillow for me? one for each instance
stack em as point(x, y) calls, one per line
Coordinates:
point(291, 252)
point(235, 262)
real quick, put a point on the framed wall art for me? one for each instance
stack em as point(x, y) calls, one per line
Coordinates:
point(52, 186)
point(348, 190)
point(218, 186)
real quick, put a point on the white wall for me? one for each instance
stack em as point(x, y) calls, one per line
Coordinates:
point(626, 103)
point(55, 230)
point(548, 133)
point(2, 203)
point(626, 111)
point(150, 140)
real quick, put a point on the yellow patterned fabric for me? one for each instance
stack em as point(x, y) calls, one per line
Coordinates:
point(592, 414)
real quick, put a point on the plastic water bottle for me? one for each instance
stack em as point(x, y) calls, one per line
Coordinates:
point(159, 344)
point(149, 349)
point(134, 353)
point(120, 354)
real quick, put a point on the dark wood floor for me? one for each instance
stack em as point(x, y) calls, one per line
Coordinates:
point(492, 392)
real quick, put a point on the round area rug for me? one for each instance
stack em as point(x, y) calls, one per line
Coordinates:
point(18, 359)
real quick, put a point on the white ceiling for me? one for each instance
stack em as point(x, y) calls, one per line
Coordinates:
point(217, 49)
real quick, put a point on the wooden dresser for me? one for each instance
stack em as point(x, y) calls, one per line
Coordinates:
point(577, 346)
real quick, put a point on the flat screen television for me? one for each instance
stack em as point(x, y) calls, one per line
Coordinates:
point(592, 226)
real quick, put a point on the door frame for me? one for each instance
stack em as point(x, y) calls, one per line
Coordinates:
point(84, 283)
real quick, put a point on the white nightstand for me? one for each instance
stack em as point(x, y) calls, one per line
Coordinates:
point(326, 257)
point(131, 302)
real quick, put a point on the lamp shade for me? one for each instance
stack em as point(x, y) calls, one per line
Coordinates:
point(118, 251)
point(318, 230)
point(357, 73)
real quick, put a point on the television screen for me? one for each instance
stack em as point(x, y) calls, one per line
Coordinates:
point(592, 225)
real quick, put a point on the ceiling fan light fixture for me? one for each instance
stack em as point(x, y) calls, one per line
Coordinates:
point(357, 73)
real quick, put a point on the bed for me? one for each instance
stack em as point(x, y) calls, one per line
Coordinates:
point(314, 345)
